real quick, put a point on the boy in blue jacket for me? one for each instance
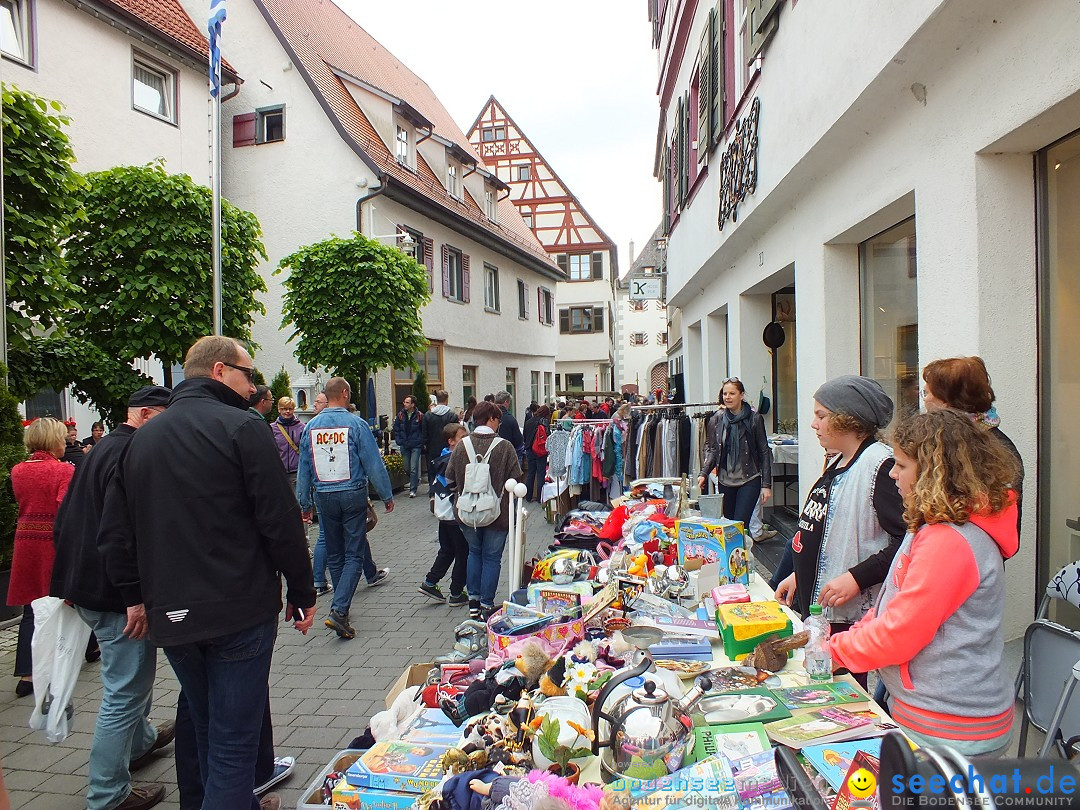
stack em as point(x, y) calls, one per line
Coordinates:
point(453, 547)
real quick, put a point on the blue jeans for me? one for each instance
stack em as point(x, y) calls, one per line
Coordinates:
point(343, 516)
point(122, 732)
point(739, 502)
point(318, 559)
point(486, 546)
point(226, 681)
point(535, 472)
point(412, 464)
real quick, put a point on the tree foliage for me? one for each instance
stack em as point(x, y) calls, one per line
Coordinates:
point(420, 391)
point(142, 256)
point(354, 305)
point(40, 205)
point(280, 387)
point(11, 453)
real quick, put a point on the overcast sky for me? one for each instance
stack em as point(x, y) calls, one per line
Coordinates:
point(578, 76)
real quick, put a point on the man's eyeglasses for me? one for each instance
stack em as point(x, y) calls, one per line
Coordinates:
point(247, 372)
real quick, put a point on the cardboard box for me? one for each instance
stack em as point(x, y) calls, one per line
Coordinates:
point(702, 542)
point(411, 767)
point(414, 675)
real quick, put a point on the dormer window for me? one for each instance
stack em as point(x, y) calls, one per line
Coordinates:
point(401, 146)
point(490, 205)
point(453, 180)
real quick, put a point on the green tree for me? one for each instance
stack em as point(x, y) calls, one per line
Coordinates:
point(142, 256)
point(11, 453)
point(40, 205)
point(420, 391)
point(354, 305)
point(280, 387)
point(257, 376)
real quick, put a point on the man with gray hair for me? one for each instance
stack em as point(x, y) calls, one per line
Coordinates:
point(124, 738)
point(508, 427)
point(200, 514)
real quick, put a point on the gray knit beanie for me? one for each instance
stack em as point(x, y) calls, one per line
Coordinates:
point(857, 396)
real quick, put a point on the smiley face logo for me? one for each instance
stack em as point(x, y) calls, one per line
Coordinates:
point(862, 784)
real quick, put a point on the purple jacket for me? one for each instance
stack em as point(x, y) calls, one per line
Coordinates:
point(289, 457)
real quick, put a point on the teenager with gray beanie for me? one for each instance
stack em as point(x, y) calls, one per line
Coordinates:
point(853, 519)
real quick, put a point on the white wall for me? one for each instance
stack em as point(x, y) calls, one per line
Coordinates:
point(870, 153)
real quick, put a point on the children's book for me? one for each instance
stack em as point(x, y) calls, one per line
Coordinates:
point(733, 742)
point(858, 791)
point(432, 725)
point(833, 760)
point(410, 767)
point(758, 705)
point(821, 726)
point(755, 776)
point(705, 784)
point(558, 603)
point(822, 695)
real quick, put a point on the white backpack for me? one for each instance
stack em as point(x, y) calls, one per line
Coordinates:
point(478, 504)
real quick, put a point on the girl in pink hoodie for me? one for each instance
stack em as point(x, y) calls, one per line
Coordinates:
point(935, 635)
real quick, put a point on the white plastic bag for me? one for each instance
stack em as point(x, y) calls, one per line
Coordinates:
point(60, 637)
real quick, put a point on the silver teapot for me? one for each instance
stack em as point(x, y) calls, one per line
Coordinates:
point(646, 734)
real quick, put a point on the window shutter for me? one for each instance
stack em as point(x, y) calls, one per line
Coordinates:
point(717, 91)
point(598, 319)
point(761, 25)
point(563, 260)
point(445, 271)
point(243, 130)
point(688, 136)
point(428, 247)
point(705, 89)
point(564, 321)
point(597, 265)
point(677, 148)
point(465, 278)
point(525, 298)
point(665, 173)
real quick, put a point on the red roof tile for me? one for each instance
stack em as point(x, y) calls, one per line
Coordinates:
point(169, 19)
point(324, 38)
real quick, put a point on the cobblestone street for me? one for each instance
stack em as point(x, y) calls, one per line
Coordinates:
point(323, 690)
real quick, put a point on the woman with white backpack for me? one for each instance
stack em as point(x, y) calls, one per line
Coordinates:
point(479, 468)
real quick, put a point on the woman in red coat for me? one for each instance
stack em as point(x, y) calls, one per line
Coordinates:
point(39, 484)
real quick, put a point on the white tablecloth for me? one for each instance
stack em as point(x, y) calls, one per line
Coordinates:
point(785, 453)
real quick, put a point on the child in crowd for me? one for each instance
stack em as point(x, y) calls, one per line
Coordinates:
point(453, 548)
point(936, 635)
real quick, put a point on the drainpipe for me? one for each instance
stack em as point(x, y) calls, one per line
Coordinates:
point(360, 202)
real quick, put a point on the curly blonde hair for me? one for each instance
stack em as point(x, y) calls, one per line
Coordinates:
point(961, 468)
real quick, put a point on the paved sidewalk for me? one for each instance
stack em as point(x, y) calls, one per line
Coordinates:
point(323, 690)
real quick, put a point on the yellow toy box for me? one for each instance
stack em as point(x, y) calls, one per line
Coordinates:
point(746, 624)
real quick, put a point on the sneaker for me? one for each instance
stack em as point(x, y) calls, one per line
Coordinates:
point(380, 577)
point(486, 611)
point(474, 609)
point(412, 494)
point(283, 767)
point(142, 796)
point(458, 599)
point(271, 801)
point(339, 623)
point(433, 591)
point(323, 590)
point(767, 533)
point(165, 734)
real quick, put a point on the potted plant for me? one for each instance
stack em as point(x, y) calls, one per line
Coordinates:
point(547, 739)
point(395, 467)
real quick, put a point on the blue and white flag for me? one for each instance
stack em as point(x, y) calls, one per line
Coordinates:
point(217, 17)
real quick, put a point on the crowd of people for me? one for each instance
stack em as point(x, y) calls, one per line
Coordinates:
point(178, 525)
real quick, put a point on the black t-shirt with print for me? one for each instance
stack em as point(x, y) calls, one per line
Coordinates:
point(806, 546)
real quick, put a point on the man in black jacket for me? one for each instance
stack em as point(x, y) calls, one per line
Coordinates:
point(123, 737)
point(508, 425)
point(432, 426)
point(199, 521)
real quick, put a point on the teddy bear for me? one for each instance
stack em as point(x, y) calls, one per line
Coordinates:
point(506, 681)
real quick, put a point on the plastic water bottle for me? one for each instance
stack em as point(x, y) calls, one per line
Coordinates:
point(818, 658)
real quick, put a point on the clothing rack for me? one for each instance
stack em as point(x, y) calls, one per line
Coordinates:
point(674, 405)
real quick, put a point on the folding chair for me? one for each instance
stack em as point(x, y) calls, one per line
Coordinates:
point(1051, 670)
point(1065, 585)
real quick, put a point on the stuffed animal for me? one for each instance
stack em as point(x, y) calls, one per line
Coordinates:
point(508, 680)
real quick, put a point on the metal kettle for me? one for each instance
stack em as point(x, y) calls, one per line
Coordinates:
point(647, 733)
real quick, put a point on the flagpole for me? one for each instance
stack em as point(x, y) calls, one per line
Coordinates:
point(216, 18)
point(215, 156)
